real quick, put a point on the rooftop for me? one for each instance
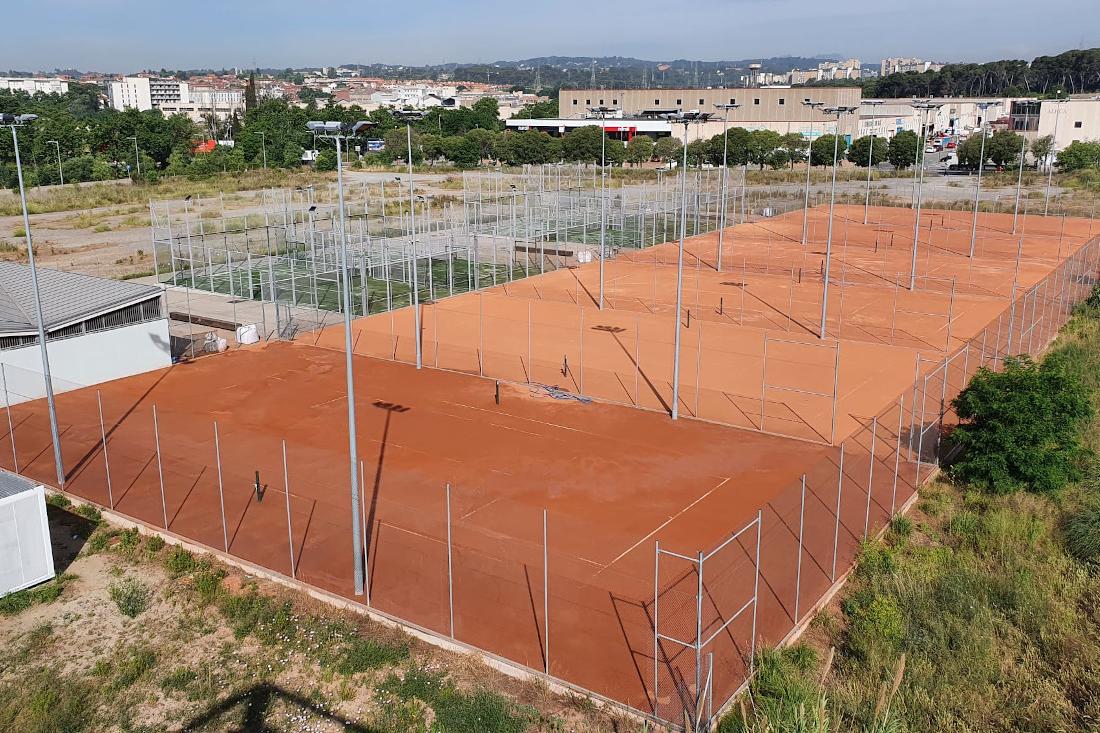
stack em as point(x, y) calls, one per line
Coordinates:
point(67, 297)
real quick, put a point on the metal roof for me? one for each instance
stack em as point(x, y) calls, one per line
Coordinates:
point(11, 484)
point(67, 297)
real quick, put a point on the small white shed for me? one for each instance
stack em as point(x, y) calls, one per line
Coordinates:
point(26, 556)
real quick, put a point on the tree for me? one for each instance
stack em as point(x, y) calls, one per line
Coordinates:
point(823, 148)
point(762, 144)
point(582, 144)
point(668, 149)
point(902, 151)
point(970, 151)
point(1041, 148)
point(639, 150)
point(698, 152)
point(1079, 155)
point(531, 146)
point(462, 151)
point(1021, 428)
point(250, 92)
point(1003, 147)
point(538, 111)
point(486, 114)
point(326, 160)
point(864, 152)
point(795, 145)
point(614, 152)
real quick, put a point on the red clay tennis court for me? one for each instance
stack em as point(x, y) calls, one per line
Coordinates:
point(753, 527)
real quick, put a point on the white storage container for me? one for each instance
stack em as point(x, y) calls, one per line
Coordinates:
point(26, 556)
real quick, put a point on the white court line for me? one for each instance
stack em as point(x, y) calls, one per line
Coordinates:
point(663, 525)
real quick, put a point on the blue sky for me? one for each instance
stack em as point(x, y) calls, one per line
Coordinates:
point(125, 35)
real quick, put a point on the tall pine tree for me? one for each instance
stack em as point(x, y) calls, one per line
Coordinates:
point(250, 92)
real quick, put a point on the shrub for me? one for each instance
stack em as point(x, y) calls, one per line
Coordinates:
point(1021, 427)
point(130, 595)
point(207, 582)
point(179, 562)
point(1082, 533)
point(58, 500)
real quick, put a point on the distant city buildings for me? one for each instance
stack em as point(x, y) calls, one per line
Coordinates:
point(198, 99)
point(35, 85)
point(901, 65)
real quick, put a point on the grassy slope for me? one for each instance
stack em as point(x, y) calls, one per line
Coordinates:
point(139, 636)
point(998, 623)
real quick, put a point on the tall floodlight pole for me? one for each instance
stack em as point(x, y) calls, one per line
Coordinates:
point(601, 113)
point(839, 112)
point(336, 132)
point(263, 147)
point(1054, 143)
point(137, 155)
point(684, 118)
point(14, 121)
point(983, 106)
point(809, 158)
point(409, 116)
point(870, 159)
point(725, 179)
point(923, 106)
point(60, 172)
point(1023, 154)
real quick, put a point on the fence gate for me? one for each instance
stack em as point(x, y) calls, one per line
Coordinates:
point(695, 601)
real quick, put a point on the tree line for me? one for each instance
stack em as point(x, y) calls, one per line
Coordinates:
point(1071, 72)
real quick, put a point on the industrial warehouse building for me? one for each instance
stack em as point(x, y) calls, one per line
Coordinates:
point(771, 108)
point(96, 330)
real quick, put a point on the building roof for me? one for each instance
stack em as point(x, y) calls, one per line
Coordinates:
point(67, 297)
point(11, 484)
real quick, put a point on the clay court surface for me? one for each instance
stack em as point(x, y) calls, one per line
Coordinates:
point(613, 479)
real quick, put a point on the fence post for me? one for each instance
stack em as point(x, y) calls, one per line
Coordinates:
point(870, 476)
point(481, 334)
point(221, 489)
point(363, 525)
point(836, 527)
point(798, 571)
point(546, 592)
point(7, 409)
point(160, 468)
point(699, 629)
point(450, 567)
point(106, 460)
point(289, 526)
point(897, 457)
point(755, 591)
point(656, 627)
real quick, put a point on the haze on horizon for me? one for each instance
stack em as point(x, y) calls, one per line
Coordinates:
point(127, 35)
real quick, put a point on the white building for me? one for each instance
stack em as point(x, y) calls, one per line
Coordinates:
point(1075, 120)
point(899, 65)
point(96, 330)
point(52, 85)
point(172, 96)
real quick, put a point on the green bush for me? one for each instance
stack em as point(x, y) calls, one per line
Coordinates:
point(130, 595)
point(1082, 533)
point(179, 562)
point(1021, 428)
point(208, 581)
